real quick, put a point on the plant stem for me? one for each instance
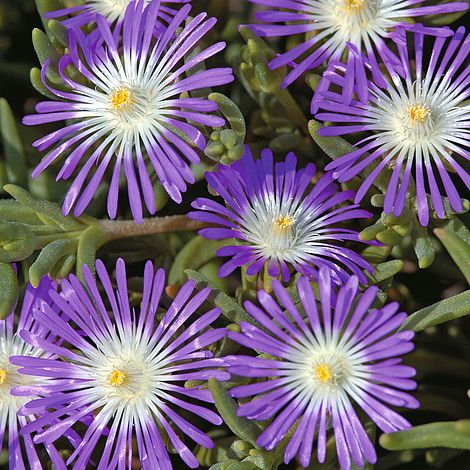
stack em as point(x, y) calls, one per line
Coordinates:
point(117, 229)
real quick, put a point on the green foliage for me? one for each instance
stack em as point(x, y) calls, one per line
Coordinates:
point(457, 244)
point(281, 123)
point(440, 312)
point(8, 288)
point(455, 435)
point(197, 252)
point(14, 158)
point(243, 428)
point(30, 225)
point(227, 145)
point(228, 305)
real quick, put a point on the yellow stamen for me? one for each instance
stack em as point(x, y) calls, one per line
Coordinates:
point(116, 378)
point(418, 113)
point(121, 98)
point(282, 222)
point(323, 372)
point(3, 376)
point(354, 5)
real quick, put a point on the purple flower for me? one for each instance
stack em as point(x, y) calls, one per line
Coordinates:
point(324, 366)
point(131, 115)
point(331, 24)
point(124, 370)
point(416, 120)
point(12, 344)
point(278, 218)
point(113, 10)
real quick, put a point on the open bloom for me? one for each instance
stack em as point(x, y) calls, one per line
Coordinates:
point(131, 115)
point(416, 120)
point(112, 10)
point(278, 218)
point(12, 344)
point(124, 371)
point(325, 364)
point(331, 24)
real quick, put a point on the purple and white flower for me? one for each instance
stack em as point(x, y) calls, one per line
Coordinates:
point(416, 118)
point(113, 10)
point(331, 24)
point(12, 344)
point(131, 115)
point(326, 364)
point(278, 218)
point(125, 370)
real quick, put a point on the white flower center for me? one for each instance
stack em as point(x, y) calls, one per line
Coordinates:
point(361, 22)
point(111, 9)
point(329, 370)
point(418, 123)
point(273, 229)
point(9, 378)
point(126, 378)
point(283, 228)
point(353, 16)
point(417, 116)
point(130, 107)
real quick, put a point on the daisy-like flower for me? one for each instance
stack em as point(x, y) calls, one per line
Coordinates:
point(331, 24)
point(112, 10)
point(279, 219)
point(11, 344)
point(416, 120)
point(133, 113)
point(325, 365)
point(124, 369)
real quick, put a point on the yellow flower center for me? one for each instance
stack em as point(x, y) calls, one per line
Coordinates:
point(354, 5)
point(282, 222)
point(324, 373)
point(116, 378)
point(121, 98)
point(3, 376)
point(418, 113)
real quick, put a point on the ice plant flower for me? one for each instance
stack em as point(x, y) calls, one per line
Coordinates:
point(131, 115)
point(280, 219)
point(337, 358)
point(331, 24)
point(125, 369)
point(113, 10)
point(12, 344)
point(416, 120)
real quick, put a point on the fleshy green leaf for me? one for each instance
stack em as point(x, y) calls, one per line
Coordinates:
point(45, 6)
point(452, 434)
point(48, 209)
point(197, 252)
point(386, 270)
point(228, 305)
point(16, 242)
point(440, 312)
point(458, 249)
point(36, 81)
point(15, 162)
point(59, 31)
point(49, 257)
point(89, 242)
point(8, 289)
point(423, 246)
point(227, 408)
point(233, 114)
point(45, 50)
